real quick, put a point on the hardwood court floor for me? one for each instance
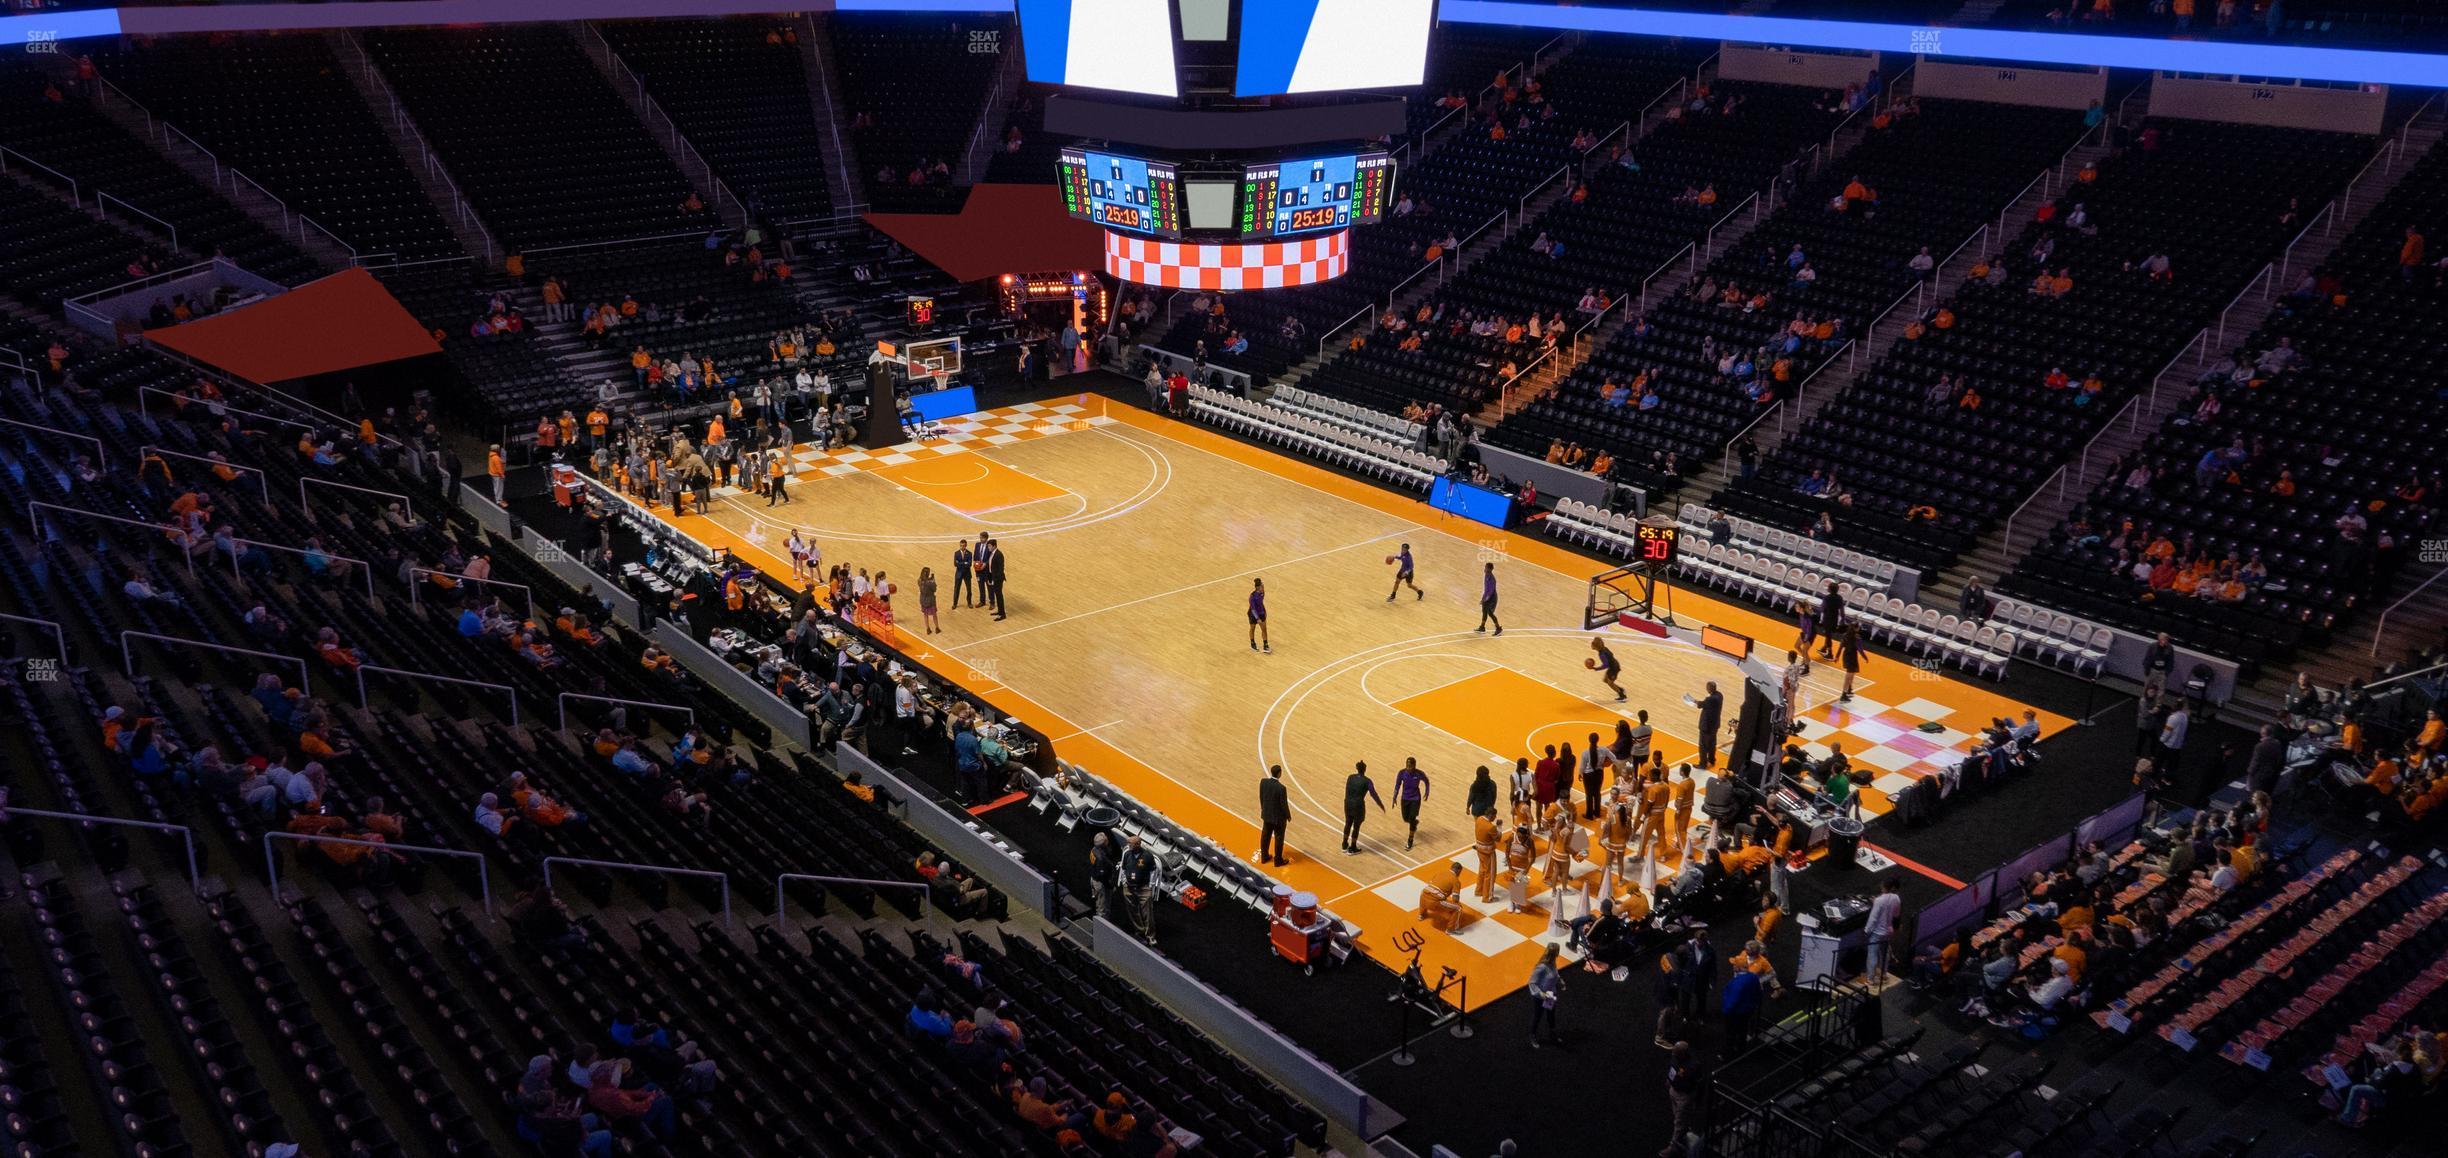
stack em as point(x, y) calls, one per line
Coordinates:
point(1131, 543)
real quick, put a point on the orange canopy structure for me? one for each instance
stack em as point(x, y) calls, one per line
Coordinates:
point(335, 323)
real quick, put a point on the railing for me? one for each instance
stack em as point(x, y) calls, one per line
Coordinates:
point(364, 704)
point(2344, 203)
point(562, 702)
point(2046, 181)
point(414, 587)
point(2131, 415)
point(2401, 677)
point(653, 109)
point(1562, 172)
point(1690, 250)
point(1405, 283)
point(303, 508)
point(1539, 57)
point(100, 459)
point(2058, 478)
point(2381, 628)
point(719, 878)
point(408, 131)
point(1504, 389)
point(697, 234)
point(262, 481)
point(2261, 279)
point(103, 202)
point(59, 635)
point(1674, 92)
point(1471, 238)
point(195, 877)
point(1367, 313)
point(1780, 410)
point(2405, 136)
point(484, 870)
point(782, 889)
point(1708, 251)
point(127, 653)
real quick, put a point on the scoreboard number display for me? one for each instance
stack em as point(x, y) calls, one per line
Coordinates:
point(1315, 195)
point(1656, 544)
point(1124, 194)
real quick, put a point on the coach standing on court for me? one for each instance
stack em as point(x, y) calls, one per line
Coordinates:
point(1712, 718)
point(962, 573)
point(1274, 812)
point(994, 578)
point(1358, 790)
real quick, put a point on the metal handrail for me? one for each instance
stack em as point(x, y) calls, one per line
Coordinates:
point(484, 870)
point(303, 507)
point(1423, 271)
point(562, 702)
point(647, 101)
point(618, 241)
point(1561, 172)
point(1366, 312)
point(355, 258)
point(2082, 469)
point(1504, 389)
point(127, 654)
point(1690, 249)
point(100, 459)
point(76, 192)
point(59, 635)
point(1709, 250)
point(2381, 628)
point(286, 213)
point(2046, 181)
point(724, 879)
point(415, 587)
point(407, 128)
point(365, 705)
point(195, 877)
point(2259, 279)
point(281, 396)
point(2376, 685)
point(782, 886)
point(262, 481)
point(2058, 477)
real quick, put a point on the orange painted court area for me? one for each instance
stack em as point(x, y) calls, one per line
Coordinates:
point(1131, 662)
point(973, 484)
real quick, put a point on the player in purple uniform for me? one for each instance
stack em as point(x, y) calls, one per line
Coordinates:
point(1607, 667)
point(1402, 575)
point(1257, 618)
point(1487, 600)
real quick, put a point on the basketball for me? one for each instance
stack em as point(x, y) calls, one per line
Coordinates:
point(1391, 558)
point(1591, 664)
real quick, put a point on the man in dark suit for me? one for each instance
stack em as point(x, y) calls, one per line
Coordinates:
point(1712, 720)
point(994, 579)
point(1696, 960)
point(1274, 812)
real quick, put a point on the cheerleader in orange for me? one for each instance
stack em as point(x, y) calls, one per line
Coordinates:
point(1487, 833)
point(1520, 850)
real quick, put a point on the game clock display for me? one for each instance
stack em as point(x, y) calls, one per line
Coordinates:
point(1289, 198)
point(1125, 194)
point(1656, 544)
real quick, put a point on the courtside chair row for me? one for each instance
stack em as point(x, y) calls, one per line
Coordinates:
point(1352, 451)
point(1842, 562)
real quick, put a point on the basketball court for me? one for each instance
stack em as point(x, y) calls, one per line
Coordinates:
point(1131, 541)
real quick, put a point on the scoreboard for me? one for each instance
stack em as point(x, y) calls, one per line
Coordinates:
point(1125, 194)
point(1289, 198)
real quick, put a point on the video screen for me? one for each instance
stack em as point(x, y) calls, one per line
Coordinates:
point(1122, 45)
point(1293, 46)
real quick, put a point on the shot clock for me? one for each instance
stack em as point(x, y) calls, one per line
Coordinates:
point(1656, 543)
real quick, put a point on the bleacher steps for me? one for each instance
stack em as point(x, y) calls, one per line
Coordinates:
point(685, 155)
point(1992, 557)
point(834, 144)
point(174, 148)
point(2351, 653)
point(423, 163)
